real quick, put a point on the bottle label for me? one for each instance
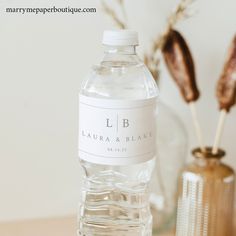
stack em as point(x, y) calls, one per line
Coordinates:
point(117, 132)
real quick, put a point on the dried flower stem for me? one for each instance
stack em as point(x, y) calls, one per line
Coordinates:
point(180, 13)
point(197, 126)
point(122, 6)
point(111, 12)
point(219, 131)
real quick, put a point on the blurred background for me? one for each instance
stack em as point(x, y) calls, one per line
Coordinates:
point(43, 59)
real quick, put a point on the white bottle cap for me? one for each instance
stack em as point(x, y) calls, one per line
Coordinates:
point(120, 38)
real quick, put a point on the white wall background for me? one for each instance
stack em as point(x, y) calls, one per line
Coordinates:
point(42, 62)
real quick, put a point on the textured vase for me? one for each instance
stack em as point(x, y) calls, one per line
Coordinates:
point(206, 196)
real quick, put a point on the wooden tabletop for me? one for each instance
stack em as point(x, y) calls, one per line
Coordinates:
point(45, 227)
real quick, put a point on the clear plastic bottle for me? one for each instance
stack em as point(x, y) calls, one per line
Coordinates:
point(206, 196)
point(117, 129)
point(172, 145)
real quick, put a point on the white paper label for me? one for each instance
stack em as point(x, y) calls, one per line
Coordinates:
point(117, 132)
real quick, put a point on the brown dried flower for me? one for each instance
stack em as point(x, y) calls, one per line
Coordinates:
point(180, 63)
point(226, 87)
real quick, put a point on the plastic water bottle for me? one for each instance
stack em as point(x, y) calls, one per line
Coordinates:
point(117, 112)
